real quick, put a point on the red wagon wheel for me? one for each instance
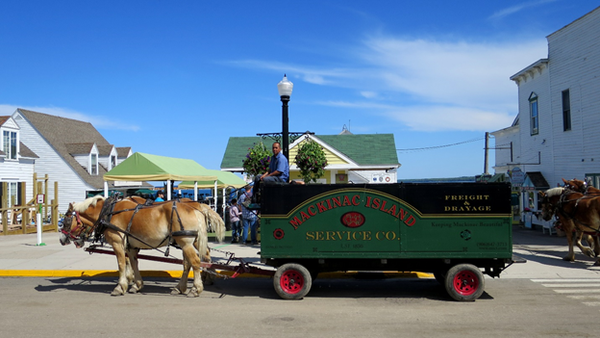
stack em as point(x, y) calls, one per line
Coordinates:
point(292, 281)
point(465, 282)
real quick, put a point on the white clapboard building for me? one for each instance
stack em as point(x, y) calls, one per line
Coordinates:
point(556, 133)
point(71, 152)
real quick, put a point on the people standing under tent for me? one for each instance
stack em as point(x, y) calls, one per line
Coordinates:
point(160, 196)
point(250, 220)
point(234, 218)
point(279, 172)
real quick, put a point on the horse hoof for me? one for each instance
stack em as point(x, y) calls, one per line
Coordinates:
point(116, 293)
point(569, 259)
point(134, 289)
point(176, 291)
point(193, 293)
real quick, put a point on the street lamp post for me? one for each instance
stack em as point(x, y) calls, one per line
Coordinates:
point(285, 91)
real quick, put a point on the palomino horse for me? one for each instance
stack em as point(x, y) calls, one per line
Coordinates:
point(575, 211)
point(213, 220)
point(129, 227)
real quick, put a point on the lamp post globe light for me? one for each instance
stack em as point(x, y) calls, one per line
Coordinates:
point(285, 91)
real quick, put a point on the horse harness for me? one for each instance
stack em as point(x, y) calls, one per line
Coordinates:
point(107, 211)
point(563, 200)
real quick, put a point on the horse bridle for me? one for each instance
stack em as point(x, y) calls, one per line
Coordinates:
point(68, 221)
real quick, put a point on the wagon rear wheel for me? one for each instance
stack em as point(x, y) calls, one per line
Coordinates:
point(292, 281)
point(465, 282)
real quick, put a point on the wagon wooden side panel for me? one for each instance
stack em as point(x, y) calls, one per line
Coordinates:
point(421, 227)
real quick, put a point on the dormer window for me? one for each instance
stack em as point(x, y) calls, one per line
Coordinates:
point(113, 161)
point(10, 144)
point(94, 166)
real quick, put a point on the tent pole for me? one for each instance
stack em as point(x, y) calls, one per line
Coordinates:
point(224, 199)
point(216, 197)
point(196, 191)
point(105, 189)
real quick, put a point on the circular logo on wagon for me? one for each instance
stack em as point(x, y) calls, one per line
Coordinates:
point(353, 219)
point(278, 233)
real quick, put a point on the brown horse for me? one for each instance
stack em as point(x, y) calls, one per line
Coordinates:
point(575, 211)
point(581, 186)
point(130, 227)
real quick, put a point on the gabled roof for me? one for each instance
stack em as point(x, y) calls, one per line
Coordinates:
point(79, 148)
point(26, 152)
point(123, 151)
point(105, 150)
point(367, 150)
point(537, 179)
point(148, 167)
point(59, 132)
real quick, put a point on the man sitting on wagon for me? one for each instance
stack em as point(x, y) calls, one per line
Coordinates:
point(279, 172)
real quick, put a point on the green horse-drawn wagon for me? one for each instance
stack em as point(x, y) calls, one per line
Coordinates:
point(457, 231)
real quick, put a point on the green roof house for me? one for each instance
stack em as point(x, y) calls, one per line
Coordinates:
point(368, 158)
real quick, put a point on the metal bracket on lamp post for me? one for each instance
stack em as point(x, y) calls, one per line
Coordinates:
point(293, 136)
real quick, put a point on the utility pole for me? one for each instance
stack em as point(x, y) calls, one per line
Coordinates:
point(485, 155)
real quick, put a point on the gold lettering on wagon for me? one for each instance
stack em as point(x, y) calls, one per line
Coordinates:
point(466, 205)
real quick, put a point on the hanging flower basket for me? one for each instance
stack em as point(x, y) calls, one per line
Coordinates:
point(257, 160)
point(311, 161)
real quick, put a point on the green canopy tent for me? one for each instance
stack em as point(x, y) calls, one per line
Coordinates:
point(147, 167)
point(225, 179)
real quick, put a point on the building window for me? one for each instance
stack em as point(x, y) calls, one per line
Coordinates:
point(593, 180)
point(13, 193)
point(94, 164)
point(113, 161)
point(10, 144)
point(533, 112)
point(566, 108)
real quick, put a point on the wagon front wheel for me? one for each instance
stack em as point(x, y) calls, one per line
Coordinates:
point(292, 281)
point(465, 282)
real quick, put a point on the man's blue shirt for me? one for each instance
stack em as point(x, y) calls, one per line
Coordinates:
point(280, 163)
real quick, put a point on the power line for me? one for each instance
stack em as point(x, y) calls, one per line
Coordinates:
point(441, 146)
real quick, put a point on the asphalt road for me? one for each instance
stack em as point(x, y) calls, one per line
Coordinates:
point(249, 307)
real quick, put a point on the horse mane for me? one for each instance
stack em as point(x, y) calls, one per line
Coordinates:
point(554, 191)
point(82, 206)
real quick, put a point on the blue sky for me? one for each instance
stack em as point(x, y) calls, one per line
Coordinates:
point(178, 78)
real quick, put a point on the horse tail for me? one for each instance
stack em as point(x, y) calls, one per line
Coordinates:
point(216, 221)
point(202, 238)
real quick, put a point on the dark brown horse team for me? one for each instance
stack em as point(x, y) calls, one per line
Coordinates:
point(129, 226)
point(577, 208)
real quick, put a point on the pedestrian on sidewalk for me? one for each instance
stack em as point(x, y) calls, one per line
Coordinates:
point(234, 217)
point(249, 218)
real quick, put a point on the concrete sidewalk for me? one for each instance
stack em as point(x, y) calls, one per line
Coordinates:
point(21, 257)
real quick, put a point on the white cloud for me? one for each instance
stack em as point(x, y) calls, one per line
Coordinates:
point(461, 85)
point(456, 73)
point(517, 8)
point(96, 121)
point(439, 118)
point(368, 94)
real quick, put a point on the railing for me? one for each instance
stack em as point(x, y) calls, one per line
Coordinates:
point(22, 219)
